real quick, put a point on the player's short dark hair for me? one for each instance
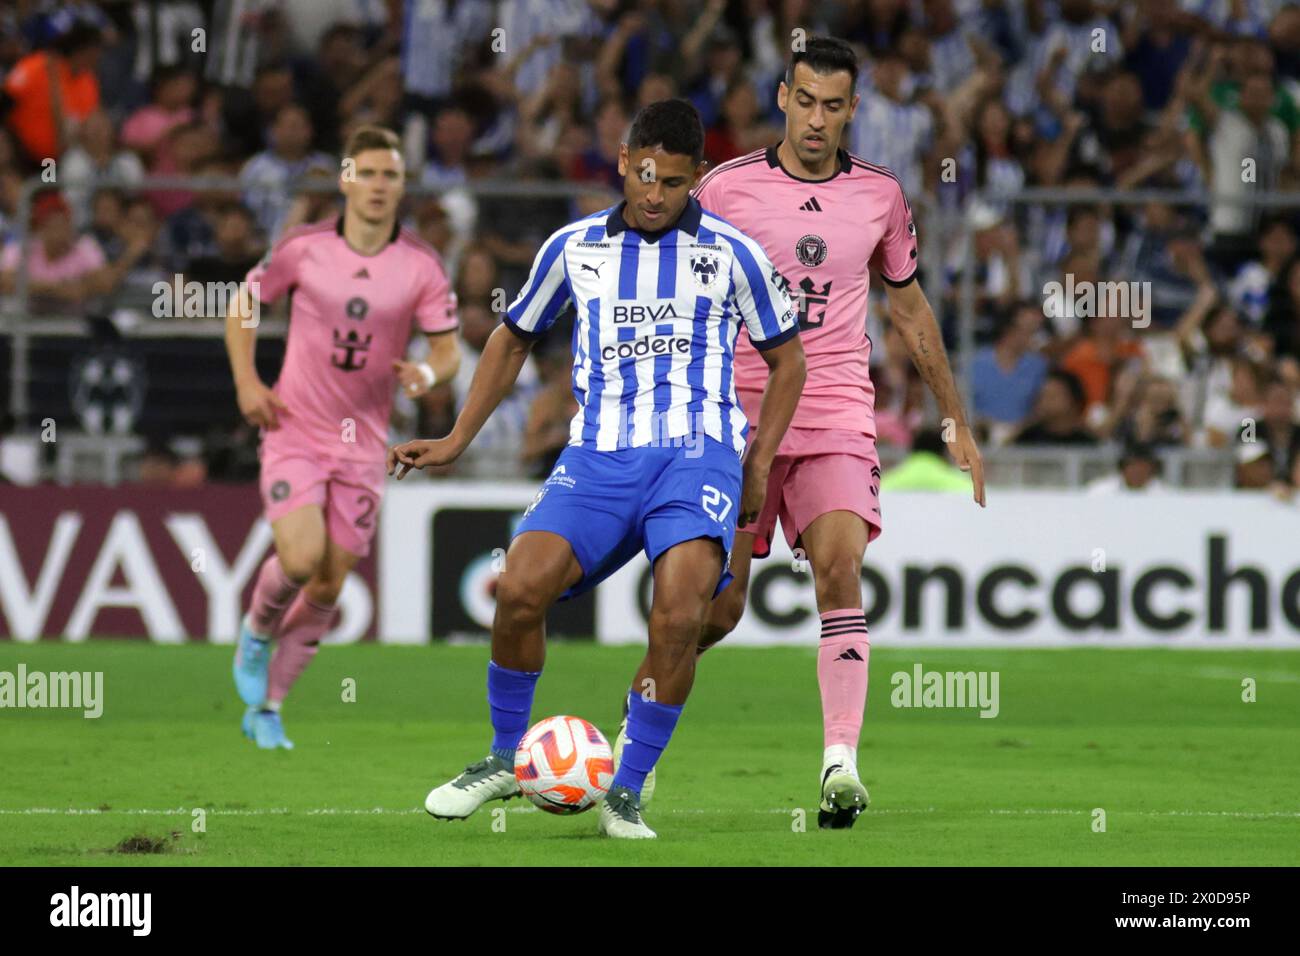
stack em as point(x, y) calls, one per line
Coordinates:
point(930, 439)
point(825, 55)
point(370, 137)
point(673, 125)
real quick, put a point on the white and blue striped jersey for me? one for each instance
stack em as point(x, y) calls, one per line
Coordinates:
point(657, 315)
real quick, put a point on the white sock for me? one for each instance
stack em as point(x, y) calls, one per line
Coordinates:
point(841, 754)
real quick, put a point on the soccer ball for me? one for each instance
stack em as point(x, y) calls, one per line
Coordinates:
point(564, 765)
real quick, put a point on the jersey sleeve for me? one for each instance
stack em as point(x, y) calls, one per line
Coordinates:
point(762, 295)
point(277, 272)
point(436, 309)
point(895, 255)
point(546, 293)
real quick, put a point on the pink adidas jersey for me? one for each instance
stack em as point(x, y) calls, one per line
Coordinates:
point(822, 236)
point(350, 316)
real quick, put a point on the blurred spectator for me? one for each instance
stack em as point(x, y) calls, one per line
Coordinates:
point(900, 391)
point(186, 148)
point(550, 113)
point(437, 39)
point(42, 113)
point(137, 265)
point(1139, 472)
point(64, 269)
point(599, 163)
point(738, 130)
point(1252, 287)
point(268, 177)
point(107, 210)
point(1282, 321)
point(1058, 413)
point(495, 453)
point(1249, 151)
point(191, 232)
point(1268, 446)
point(1224, 414)
point(310, 206)
point(1151, 415)
point(890, 128)
point(238, 248)
point(926, 468)
point(1006, 376)
point(145, 131)
point(95, 156)
point(248, 116)
point(338, 67)
point(453, 134)
point(1105, 348)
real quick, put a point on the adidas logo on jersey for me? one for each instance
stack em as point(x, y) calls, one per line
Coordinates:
point(850, 655)
point(812, 205)
point(362, 273)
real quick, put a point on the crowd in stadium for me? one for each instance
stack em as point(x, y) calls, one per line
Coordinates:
point(967, 101)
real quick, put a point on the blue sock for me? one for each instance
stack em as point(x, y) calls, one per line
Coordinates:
point(510, 698)
point(649, 726)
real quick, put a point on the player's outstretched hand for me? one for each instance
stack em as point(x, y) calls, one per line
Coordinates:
point(967, 455)
point(421, 454)
point(259, 405)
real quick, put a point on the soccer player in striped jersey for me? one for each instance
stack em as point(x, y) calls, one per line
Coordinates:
point(826, 218)
point(660, 288)
point(359, 287)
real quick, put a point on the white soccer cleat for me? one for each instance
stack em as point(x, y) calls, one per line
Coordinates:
point(620, 816)
point(647, 788)
point(843, 797)
point(489, 779)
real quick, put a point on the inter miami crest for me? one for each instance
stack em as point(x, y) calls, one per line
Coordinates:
point(704, 266)
point(811, 250)
point(357, 307)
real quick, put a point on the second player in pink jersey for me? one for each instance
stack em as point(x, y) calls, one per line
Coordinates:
point(827, 219)
point(359, 288)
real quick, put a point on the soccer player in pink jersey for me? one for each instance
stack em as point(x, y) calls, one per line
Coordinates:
point(359, 287)
point(825, 218)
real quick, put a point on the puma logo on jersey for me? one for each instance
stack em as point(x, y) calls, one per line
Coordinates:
point(595, 269)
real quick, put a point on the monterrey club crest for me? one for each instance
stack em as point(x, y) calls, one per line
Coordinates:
point(811, 250)
point(704, 266)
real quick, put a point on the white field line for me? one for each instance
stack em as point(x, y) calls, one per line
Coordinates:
point(387, 811)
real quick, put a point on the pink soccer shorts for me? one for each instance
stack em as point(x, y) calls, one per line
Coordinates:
point(816, 471)
point(348, 492)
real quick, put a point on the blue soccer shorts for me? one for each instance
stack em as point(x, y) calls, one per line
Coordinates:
point(611, 504)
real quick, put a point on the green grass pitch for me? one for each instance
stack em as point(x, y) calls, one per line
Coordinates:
point(1186, 772)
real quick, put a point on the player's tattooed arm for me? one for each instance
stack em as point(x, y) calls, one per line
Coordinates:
point(911, 314)
point(494, 378)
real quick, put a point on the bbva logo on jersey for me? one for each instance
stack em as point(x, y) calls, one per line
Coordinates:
point(704, 266)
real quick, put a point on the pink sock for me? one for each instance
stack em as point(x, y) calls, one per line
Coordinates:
point(842, 674)
point(298, 640)
point(272, 593)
